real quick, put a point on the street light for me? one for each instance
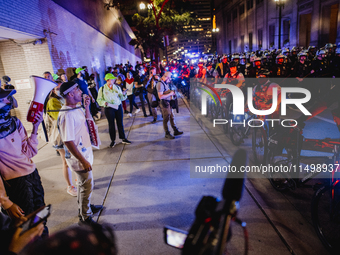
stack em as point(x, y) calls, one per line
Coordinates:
point(142, 6)
point(281, 5)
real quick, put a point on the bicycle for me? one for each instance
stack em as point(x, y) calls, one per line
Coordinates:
point(326, 203)
point(325, 207)
point(239, 132)
point(211, 228)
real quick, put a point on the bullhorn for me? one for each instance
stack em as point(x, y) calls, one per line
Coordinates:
point(42, 88)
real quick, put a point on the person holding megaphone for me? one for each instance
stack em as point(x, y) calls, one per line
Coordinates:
point(20, 179)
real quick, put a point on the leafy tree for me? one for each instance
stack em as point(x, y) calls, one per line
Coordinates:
point(166, 18)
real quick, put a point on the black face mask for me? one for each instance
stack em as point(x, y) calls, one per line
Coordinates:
point(5, 112)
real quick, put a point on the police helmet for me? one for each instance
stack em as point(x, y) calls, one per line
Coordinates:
point(302, 53)
point(321, 52)
point(235, 56)
point(285, 51)
point(294, 49)
point(329, 46)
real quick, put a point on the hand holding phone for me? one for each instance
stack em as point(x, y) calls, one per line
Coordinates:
point(20, 239)
point(35, 218)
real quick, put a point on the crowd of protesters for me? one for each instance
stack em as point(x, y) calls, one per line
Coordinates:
point(76, 102)
point(69, 111)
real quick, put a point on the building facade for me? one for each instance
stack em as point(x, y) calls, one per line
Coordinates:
point(202, 42)
point(249, 25)
point(45, 35)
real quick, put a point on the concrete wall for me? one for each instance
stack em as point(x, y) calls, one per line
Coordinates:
point(68, 42)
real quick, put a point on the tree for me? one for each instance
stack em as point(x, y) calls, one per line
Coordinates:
point(166, 18)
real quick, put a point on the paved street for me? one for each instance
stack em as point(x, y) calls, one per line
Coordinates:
point(146, 185)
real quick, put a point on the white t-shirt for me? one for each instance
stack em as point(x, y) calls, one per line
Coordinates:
point(129, 86)
point(73, 127)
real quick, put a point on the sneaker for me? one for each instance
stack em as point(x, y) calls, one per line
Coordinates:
point(145, 116)
point(112, 144)
point(72, 191)
point(137, 111)
point(177, 132)
point(130, 115)
point(126, 141)
point(169, 136)
point(96, 208)
point(154, 121)
point(88, 221)
point(126, 112)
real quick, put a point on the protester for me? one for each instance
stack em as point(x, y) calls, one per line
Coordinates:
point(141, 92)
point(111, 96)
point(20, 180)
point(12, 240)
point(74, 133)
point(121, 83)
point(90, 240)
point(150, 83)
point(129, 88)
point(54, 104)
point(164, 94)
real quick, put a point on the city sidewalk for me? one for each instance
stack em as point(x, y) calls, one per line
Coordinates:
point(146, 185)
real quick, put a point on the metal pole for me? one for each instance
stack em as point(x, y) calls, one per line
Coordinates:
point(280, 17)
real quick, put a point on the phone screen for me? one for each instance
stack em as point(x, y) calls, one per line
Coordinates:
point(35, 218)
point(175, 237)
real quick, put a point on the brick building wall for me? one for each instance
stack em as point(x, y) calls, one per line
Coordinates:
point(67, 42)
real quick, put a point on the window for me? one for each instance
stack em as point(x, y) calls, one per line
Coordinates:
point(271, 36)
point(242, 43)
point(251, 41)
point(235, 45)
point(259, 38)
point(229, 17)
point(235, 14)
point(286, 32)
point(249, 4)
point(241, 9)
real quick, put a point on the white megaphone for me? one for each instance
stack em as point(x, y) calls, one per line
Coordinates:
point(42, 87)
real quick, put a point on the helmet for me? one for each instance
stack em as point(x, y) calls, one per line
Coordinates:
point(329, 46)
point(285, 51)
point(294, 49)
point(252, 57)
point(235, 56)
point(302, 53)
point(279, 57)
point(337, 51)
point(256, 59)
point(311, 48)
point(321, 52)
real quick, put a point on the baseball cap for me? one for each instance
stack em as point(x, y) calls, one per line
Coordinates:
point(79, 69)
point(6, 92)
point(67, 87)
point(109, 76)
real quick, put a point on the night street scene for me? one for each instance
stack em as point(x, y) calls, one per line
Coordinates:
point(169, 127)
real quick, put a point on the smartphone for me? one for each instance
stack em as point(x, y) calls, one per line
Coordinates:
point(174, 237)
point(36, 218)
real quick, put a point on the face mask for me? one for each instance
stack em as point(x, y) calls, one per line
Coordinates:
point(5, 113)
